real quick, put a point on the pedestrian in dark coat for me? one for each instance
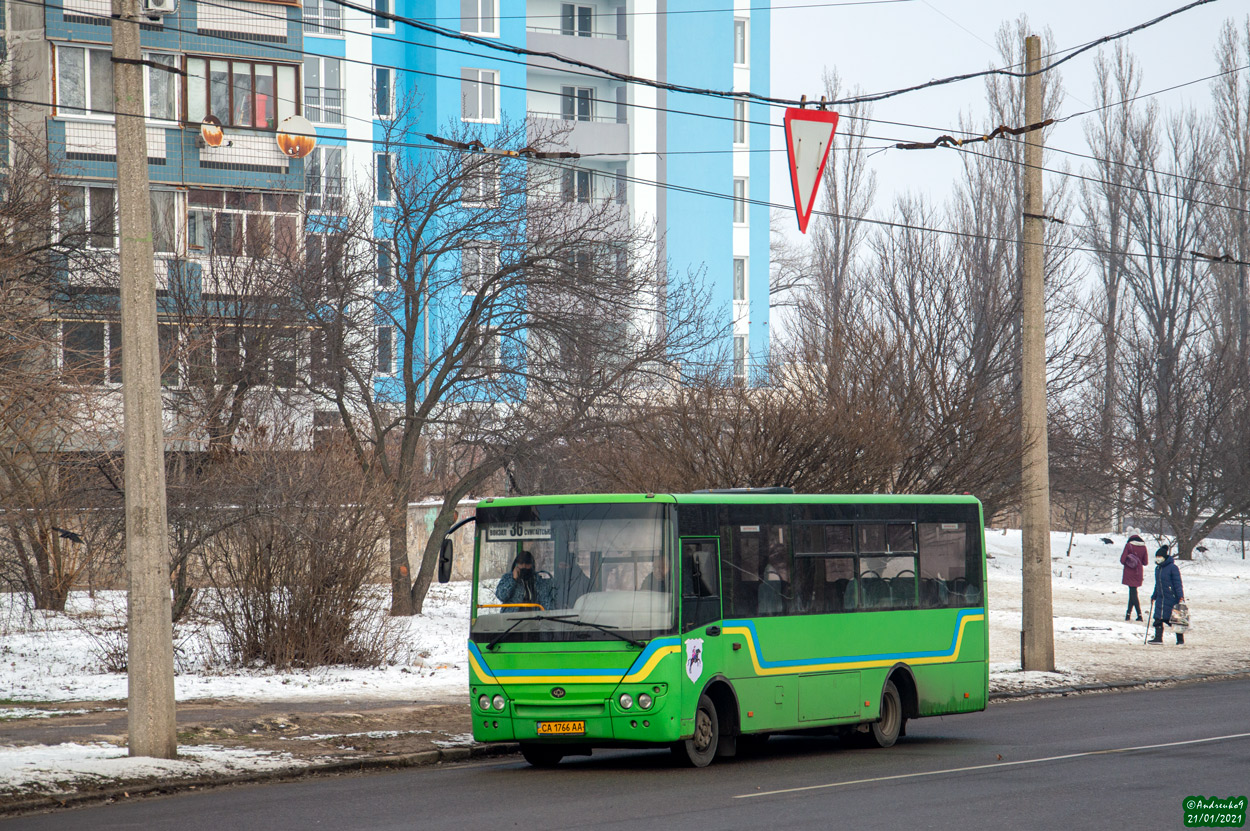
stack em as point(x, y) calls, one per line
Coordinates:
point(1134, 559)
point(1168, 592)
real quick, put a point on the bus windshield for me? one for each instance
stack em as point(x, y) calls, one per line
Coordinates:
point(573, 573)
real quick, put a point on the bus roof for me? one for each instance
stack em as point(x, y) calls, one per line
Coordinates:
point(742, 498)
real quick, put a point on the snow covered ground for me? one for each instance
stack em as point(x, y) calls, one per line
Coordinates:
point(1093, 642)
point(49, 658)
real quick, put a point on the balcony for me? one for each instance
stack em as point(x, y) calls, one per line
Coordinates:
point(601, 135)
point(604, 49)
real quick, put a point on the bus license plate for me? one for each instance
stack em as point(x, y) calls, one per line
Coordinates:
point(561, 728)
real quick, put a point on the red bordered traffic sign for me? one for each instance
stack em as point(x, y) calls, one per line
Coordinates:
point(809, 135)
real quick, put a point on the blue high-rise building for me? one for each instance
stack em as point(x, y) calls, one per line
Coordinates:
point(668, 156)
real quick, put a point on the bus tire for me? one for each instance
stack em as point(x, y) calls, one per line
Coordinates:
point(886, 729)
point(700, 749)
point(541, 755)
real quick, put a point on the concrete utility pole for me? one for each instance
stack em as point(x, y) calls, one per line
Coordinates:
point(1037, 637)
point(150, 651)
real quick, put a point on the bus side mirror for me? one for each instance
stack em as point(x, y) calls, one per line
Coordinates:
point(444, 560)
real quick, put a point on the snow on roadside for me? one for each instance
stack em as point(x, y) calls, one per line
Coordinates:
point(69, 767)
point(47, 656)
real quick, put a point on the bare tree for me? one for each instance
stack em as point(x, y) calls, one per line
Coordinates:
point(512, 308)
point(1183, 395)
point(51, 432)
point(1107, 194)
point(1231, 92)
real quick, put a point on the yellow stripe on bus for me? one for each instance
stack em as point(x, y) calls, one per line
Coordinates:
point(660, 654)
point(791, 669)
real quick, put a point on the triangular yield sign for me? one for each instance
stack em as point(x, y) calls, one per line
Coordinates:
point(809, 135)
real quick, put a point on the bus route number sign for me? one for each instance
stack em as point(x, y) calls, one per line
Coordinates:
point(503, 531)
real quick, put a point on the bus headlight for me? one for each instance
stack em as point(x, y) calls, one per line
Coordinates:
point(483, 701)
point(626, 700)
point(644, 701)
point(498, 701)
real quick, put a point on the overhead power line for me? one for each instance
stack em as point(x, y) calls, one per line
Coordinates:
point(865, 99)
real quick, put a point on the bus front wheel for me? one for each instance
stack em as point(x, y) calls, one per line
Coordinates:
point(886, 730)
point(541, 755)
point(700, 749)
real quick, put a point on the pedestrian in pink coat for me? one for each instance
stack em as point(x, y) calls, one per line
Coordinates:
point(1134, 558)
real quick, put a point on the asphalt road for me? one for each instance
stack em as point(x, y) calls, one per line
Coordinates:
point(1112, 760)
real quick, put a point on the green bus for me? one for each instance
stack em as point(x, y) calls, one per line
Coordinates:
point(707, 621)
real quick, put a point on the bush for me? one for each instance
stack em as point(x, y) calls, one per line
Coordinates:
point(291, 578)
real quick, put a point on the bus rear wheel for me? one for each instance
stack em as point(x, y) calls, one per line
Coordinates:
point(886, 730)
point(700, 749)
point(541, 755)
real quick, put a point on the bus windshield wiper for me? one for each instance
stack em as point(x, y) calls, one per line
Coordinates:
point(491, 646)
point(565, 619)
point(611, 630)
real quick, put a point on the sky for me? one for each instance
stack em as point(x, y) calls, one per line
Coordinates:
point(891, 45)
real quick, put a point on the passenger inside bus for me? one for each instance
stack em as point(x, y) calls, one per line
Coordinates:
point(570, 582)
point(657, 580)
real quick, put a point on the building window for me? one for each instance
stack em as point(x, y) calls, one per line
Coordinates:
point(383, 92)
point(84, 80)
point(386, 264)
point(324, 256)
point(241, 93)
point(323, 17)
point(479, 101)
point(577, 20)
point(259, 355)
point(740, 122)
point(740, 201)
point(323, 179)
point(382, 176)
point(90, 211)
point(741, 43)
point(479, 182)
point(91, 352)
point(84, 352)
point(478, 263)
point(162, 88)
point(164, 206)
point(740, 278)
point(577, 185)
point(386, 350)
point(740, 358)
point(323, 90)
point(234, 224)
point(577, 103)
point(382, 9)
point(478, 17)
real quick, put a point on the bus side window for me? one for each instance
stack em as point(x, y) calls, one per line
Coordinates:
point(943, 566)
point(700, 579)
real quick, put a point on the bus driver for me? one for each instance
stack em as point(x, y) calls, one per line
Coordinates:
point(524, 585)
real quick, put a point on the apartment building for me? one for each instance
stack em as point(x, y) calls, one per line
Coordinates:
point(239, 62)
point(685, 165)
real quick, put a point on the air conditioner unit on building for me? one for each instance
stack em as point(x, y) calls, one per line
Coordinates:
point(158, 8)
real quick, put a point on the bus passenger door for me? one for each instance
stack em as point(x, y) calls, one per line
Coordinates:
point(700, 620)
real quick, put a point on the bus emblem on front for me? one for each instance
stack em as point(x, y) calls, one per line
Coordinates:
point(558, 692)
point(694, 658)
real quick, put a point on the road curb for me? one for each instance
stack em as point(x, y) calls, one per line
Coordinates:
point(459, 753)
point(1119, 685)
